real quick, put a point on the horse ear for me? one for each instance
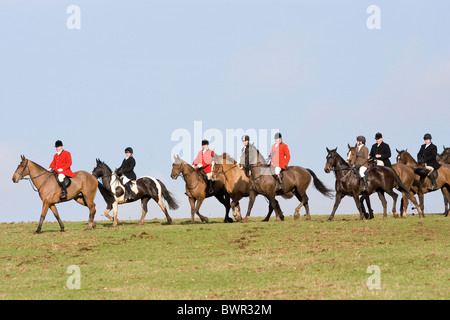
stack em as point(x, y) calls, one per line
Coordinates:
point(348, 145)
point(444, 147)
point(22, 157)
point(328, 150)
point(397, 150)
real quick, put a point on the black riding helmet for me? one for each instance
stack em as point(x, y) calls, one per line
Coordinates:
point(427, 136)
point(129, 149)
point(58, 143)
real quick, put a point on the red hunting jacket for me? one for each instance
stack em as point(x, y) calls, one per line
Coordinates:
point(62, 161)
point(205, 159)
point(280, 155)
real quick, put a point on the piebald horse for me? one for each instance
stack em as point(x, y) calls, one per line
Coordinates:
point(146, 188)
point(82, 189)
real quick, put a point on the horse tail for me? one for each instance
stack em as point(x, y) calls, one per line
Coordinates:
point(320, 186)
point(168, 196)
point(400, 184)
point(107, 194)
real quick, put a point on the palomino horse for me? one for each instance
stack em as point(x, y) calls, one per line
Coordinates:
point(295, 180)
point(197, 189)
point(237, 183)
point(148, 188)
point(442, 181)
point(348, 183)
point(405, 173)
point(82, 189)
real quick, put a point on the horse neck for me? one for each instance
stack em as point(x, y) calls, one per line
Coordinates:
point(37, 174)
point(188, 173)
point(107, 179)
point(340, 166)
point(410, 160)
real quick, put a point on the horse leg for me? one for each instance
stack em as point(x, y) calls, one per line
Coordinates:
point(358, 205)
point(55, 213)
point(144, 203)
point(238, 211)
point(403, 205)
point(446, 193)
point(225, 200)
point(92, 211)
point(413, 200)
point(394, 205)
point(276, 207)
point(251, 200)
point(363, 209)
point(337, 201)
point(197, 210)
point(107, 211)
point(115, 209)
point(192, 203)
point(234, 207)
point(383, 202)
point(45, 206)
point(164, 209)
point(269, 213)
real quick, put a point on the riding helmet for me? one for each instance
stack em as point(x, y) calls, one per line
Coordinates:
point(245, 138)
point(427, 136)
point(361, 139)
point(58, 143)
point(129, 149)
point(378, 136)
point(277, 135)
point(205, 142)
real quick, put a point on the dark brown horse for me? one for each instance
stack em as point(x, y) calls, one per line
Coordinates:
point(295, 180)
point(147, 188)
point(422, 184)
point(197, 189)
point(348, 183)
point(82, 189)
point(405, 173)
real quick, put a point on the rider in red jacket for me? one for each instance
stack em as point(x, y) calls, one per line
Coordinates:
point(61, 163)
point(279, 158)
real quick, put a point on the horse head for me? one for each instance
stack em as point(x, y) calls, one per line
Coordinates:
point(101, 169)
point(402, 156)
point(351, 154)
point(331, 160)
point(176, 167)
point(22, 170)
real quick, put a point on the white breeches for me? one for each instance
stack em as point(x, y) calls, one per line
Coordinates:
point(380, 163)
point(277, 170)
point(61, 177)
point(209, 175)
point(124, 179)
point(431, 169)
point(362, 170)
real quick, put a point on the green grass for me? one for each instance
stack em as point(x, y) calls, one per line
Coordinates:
point(302, 259)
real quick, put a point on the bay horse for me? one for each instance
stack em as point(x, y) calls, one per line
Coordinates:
point(237, 183)
point(405, 173)
point(197, 189)
point(147, 188)
point(379, 178)
point(419, 187)
point(295, 180)
point(444, 157)
point(82, 189)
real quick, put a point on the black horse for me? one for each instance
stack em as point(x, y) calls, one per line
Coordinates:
point(145, 188)
point(348, 183)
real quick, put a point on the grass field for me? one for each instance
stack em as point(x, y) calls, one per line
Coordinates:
point(302, 259)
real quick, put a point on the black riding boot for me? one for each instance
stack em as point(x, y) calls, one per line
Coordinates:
point(433, 181)
point(280, 185)
point(128, 192)
point(63, 190)
point(210, 187)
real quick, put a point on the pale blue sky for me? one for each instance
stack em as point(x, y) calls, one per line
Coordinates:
point(137, 71)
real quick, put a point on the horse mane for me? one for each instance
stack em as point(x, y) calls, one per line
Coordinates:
point(408, 155)
point(261, 159)
point(226, 158)
point(103, 163)
point(340, 158)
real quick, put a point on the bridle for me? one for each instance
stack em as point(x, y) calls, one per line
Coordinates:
point(30, 179)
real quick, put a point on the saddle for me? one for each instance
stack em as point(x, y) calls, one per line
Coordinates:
point(209, 183)
point(67, 181)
